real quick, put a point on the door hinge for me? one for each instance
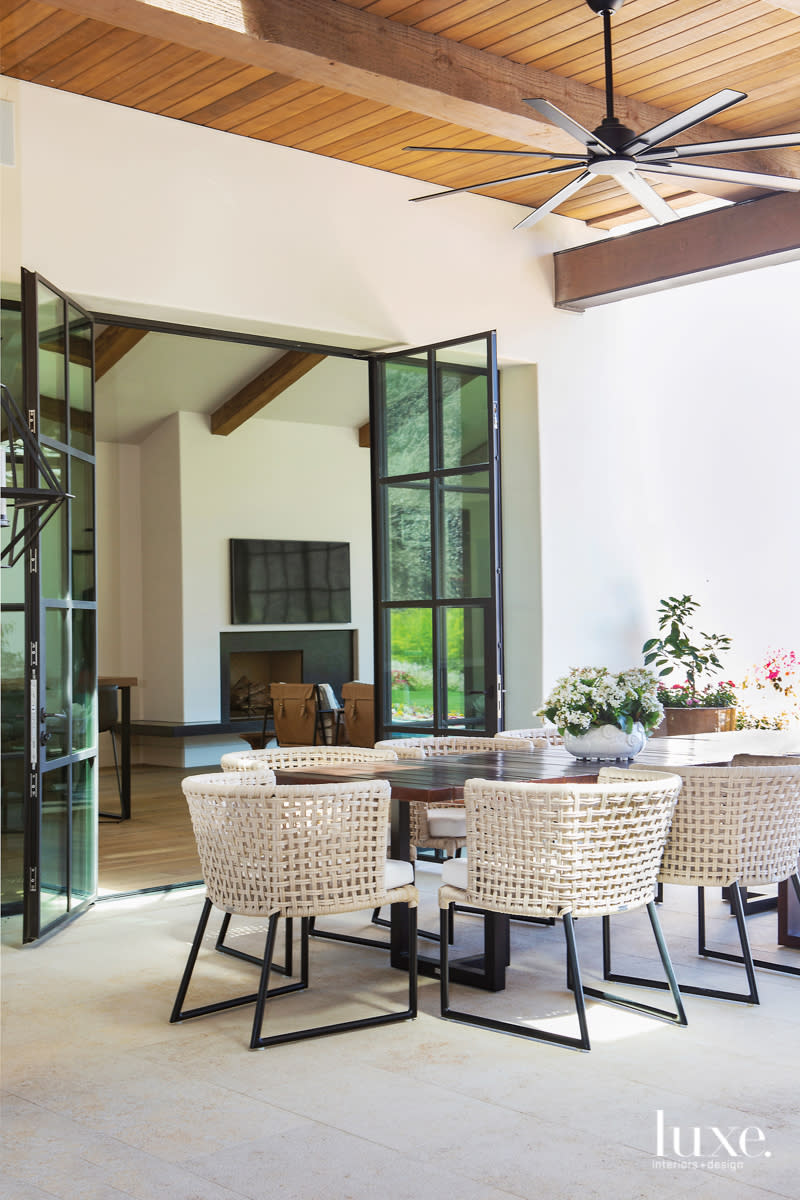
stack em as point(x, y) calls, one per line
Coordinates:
point(499, 697)
point(32, 420)
point(33, 561)
point(33, 879)
point(34, 655)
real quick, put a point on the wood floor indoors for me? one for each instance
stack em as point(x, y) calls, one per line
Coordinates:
point(156, 847)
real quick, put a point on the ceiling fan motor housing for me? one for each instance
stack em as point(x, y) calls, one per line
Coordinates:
point(604, 6)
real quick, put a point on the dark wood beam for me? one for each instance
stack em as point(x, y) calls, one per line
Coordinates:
point(112, 344)
point(730, 239)
point(258, 393)
point(353, 51)
point(364, 436)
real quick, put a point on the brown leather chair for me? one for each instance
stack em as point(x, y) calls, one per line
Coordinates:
point(294, 711)
point(359, 713)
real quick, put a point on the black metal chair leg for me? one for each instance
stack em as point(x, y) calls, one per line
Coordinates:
point(746, 957)
point(526, 1031)
point(258, 1042)
point(219, 945)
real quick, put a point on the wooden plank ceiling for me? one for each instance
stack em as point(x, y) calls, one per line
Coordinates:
point(359, 80)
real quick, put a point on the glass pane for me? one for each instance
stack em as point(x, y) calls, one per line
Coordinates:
point(52, 376)
point(466, 670)
point(57, 682)
point(411, 656)
point(406, 417)
point(13, 579)
point(84, 694)
point(465, 405)
point(53, 542)
point(82, 519)
point(408, 511)
point(84, 824)
point(80, 381)
point(12, 710)
point(11, 358)
point(12, 780)
point(466, 521)
point(54, 899)
point(12, 783)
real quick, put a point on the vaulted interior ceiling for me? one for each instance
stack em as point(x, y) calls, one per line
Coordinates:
point(360, 80)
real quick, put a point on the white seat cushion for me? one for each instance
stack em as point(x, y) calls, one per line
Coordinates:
point(454, 873)
point(398, 873)
point(447, 822)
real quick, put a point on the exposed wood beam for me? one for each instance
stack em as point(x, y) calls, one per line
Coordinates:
point(258, 393)
point(112, 344)
point(337, 46)
point(364, 436)
point(724, 241)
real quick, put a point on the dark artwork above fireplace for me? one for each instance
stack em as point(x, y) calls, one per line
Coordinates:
point(250, 661)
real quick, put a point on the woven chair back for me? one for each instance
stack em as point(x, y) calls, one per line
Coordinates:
point(540, 736)
point(734, 824)
point(433, 747)
point(300, 850)
point(232, 836)
point(766, 760)
point(294, 711)
point(358, 700)
point(543, 849)
point(285, 758)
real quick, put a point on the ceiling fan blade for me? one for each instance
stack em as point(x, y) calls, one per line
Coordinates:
point(471, 187)
point(548, 110)
point(647, 197)
point(573, 186)
point(510, 153)
point(684, 120)
point(730, 146)
point(777, 183)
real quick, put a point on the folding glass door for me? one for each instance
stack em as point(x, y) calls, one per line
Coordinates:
point(436, 454)
point(49, 622)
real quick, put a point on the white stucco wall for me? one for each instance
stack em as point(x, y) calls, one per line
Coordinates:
point(662, 425)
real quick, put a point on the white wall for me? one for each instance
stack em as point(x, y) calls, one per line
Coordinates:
point(665, 424)
point(268, 479)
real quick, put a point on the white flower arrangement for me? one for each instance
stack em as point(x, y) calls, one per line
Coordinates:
point(592, 696)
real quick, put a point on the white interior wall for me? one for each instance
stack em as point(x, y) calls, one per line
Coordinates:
point(662, 420)
point(270, 479)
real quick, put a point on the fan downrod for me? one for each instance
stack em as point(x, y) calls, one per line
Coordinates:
point(610, 131)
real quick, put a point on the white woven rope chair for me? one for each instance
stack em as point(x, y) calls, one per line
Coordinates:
point(282, 758)
point(734, 827)
point(278, 758)
point(562, 850)
point(294, 851)
point(540, 737)
point(440, 827)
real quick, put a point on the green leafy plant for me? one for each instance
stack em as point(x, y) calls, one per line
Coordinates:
point(679, 647)
point(591, 696)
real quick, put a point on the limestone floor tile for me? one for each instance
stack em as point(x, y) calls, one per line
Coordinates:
point(128, 1105)
point(158, 1110)
point(327, 1163)
point(48, 1150)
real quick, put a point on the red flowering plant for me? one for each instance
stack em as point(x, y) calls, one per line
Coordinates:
point(713, 695)
point(770, 698)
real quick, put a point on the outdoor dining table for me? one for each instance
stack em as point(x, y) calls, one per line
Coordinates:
point(440, 779)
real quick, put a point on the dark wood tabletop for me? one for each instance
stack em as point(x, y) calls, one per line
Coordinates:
point(433, 780)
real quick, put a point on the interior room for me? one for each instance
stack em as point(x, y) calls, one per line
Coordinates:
point(228, 196)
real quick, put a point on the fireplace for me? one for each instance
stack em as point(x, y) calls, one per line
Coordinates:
point(250, 661)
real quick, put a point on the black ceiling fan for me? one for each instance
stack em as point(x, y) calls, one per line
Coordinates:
point(614, 151)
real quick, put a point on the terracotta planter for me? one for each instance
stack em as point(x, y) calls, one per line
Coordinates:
point(696, 720)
